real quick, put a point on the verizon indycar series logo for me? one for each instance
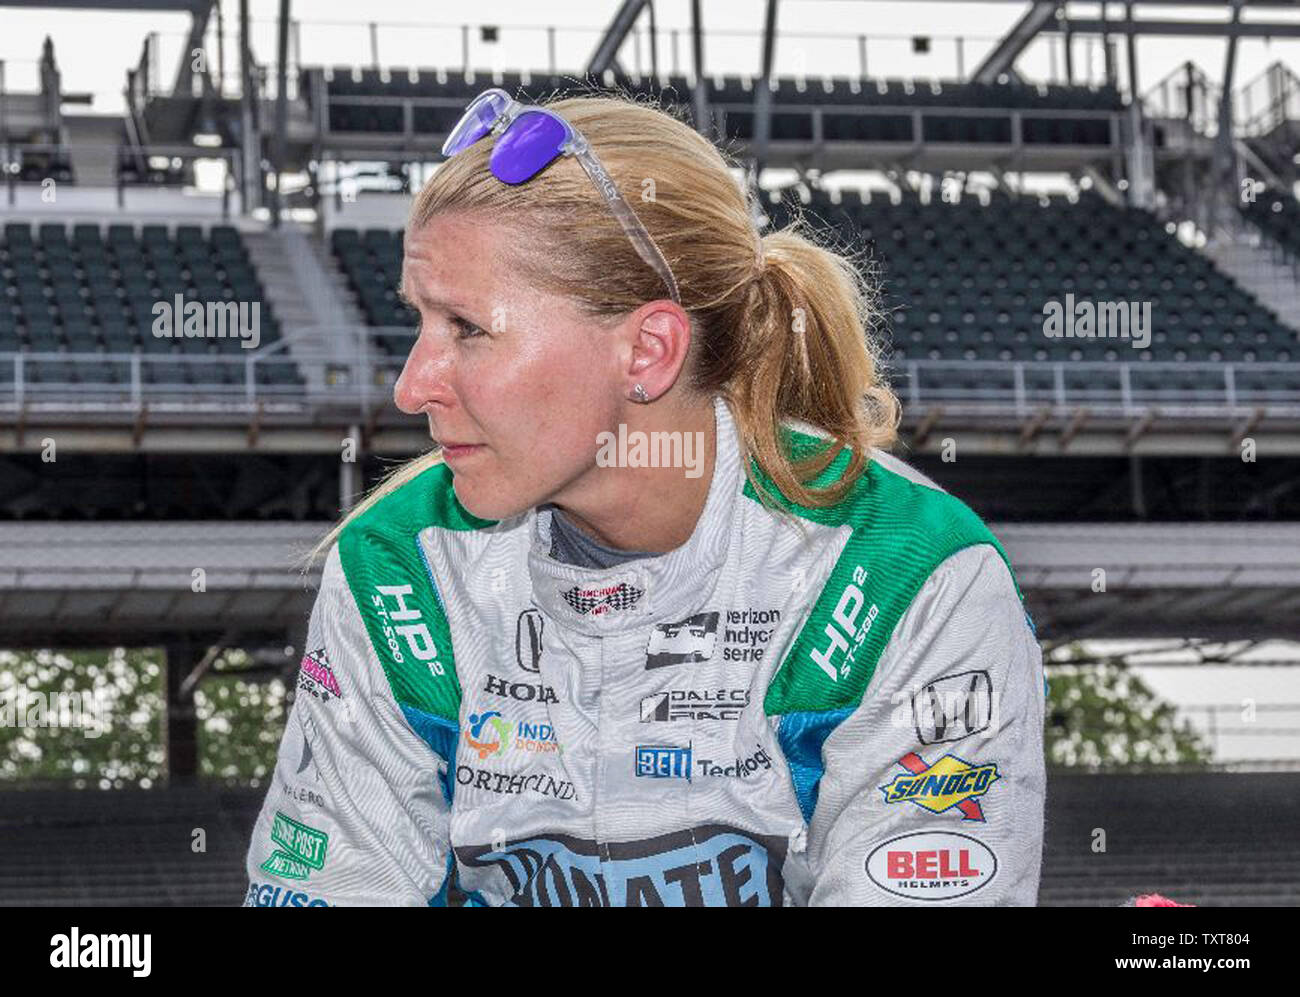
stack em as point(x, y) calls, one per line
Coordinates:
point(932, 865)
point(949, 783)
point(707, 866)
point(690, 640)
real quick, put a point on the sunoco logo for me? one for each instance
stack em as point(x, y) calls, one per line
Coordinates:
point(932, 865)
point(950, 782)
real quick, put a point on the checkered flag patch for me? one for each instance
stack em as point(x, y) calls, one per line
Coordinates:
point(597, 601)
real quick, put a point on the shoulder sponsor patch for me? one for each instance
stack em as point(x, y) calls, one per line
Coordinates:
point(932, 865)
point(316, 678)
point(953, 707)
point(948, 783)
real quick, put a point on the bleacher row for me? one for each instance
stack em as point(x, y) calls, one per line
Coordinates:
point(960, 282)
point(1214, 839)
point(372, 100)
point(966, 282)
point(66, 298)
point(969, 282)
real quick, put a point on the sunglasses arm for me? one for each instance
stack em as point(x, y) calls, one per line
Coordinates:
point(642, 241)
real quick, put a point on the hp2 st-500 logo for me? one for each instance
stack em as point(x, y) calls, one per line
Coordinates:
point(412, 629)
point(844, 630)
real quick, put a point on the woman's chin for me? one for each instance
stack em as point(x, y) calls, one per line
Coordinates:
point(486, 503)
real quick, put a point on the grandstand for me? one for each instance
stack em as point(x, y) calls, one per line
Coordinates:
point(979, 200)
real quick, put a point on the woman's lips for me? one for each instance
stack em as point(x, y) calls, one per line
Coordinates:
point(451, 451)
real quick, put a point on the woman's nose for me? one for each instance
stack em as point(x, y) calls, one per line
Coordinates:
point(425, 378)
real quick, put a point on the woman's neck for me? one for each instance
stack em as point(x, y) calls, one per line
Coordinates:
point(648, 508)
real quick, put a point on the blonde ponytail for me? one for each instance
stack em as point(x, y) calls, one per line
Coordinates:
point(805, 354)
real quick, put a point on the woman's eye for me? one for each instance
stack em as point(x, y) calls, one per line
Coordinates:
point(467, 329)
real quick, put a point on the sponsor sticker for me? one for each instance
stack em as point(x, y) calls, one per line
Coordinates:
point(708, 865)
point(690, 640)
point(301, 843)
point(663, 761)
point(514, 784)
point(316, 678)
point(602, 599)
point(489, 733)
point(528, 640)
point(266, 895)
point(953, 707)
point(692, 704)
point(932, 865)
point(948, 783)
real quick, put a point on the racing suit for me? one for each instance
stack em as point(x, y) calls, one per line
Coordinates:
point(836, 706)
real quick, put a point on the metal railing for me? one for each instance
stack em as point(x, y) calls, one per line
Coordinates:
point(1210, 719)
point(353, 368)
point(160, 161)
point(1119, 387)
point(1269, 100)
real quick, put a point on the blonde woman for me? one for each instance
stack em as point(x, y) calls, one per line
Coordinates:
point(658, 621)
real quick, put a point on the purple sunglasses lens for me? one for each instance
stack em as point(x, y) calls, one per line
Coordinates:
point(476, 123)
point(532, 140)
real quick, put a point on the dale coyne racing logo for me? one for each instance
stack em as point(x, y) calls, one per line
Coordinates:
point(948, 783)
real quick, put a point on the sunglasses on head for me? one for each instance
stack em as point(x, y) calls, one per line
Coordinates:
point(527, 140)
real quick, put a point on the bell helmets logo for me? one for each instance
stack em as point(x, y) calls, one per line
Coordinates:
point(948, 783)
point(932, 865)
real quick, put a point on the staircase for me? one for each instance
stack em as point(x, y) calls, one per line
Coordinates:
point(307, 293)
point(1262, 269)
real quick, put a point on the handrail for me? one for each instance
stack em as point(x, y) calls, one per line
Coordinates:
point(357, 378)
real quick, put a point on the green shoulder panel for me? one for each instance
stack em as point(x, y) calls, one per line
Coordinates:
point(902, 531)
point(397, 595)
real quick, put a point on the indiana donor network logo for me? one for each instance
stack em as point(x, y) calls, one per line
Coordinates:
point(489, 734)
point(950, 783)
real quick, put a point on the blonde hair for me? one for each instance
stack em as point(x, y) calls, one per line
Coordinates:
point(789, 338)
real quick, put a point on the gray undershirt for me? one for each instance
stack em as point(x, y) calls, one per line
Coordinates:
point(570, 545)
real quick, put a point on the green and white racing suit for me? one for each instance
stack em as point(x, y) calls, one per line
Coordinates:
point(842, 706)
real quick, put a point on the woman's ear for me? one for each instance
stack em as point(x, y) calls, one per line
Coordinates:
point(661, 340)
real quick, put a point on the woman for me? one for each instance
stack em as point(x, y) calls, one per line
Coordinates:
point(660, 623)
